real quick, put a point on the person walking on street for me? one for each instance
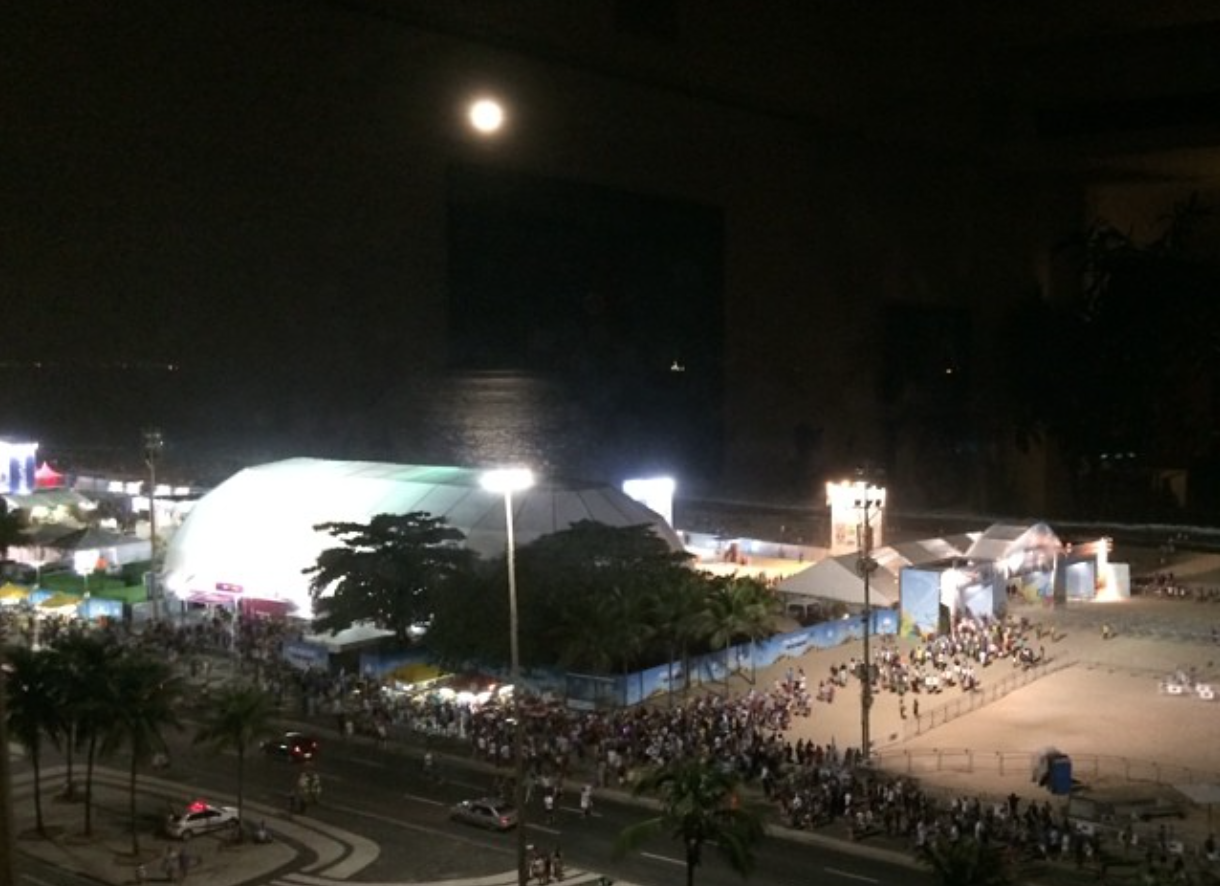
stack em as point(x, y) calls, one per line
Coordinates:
point(586, 801)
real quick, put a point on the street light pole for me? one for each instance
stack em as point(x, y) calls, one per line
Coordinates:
point(869, 500)
point(506, 482)
point(153, 444)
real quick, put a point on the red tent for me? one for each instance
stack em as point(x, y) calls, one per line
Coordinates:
point(46, 477)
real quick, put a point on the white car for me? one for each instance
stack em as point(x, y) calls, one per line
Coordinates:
point(201, 818)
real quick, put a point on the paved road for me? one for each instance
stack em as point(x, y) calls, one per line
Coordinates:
point(381, 822)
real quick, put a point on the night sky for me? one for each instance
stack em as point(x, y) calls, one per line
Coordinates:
point(207, 232)
point(263, 227)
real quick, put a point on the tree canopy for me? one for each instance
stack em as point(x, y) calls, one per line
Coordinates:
point(387, 571)
point(586, 596)
point(590, 598)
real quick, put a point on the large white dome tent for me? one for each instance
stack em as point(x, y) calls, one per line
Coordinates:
point(251, 537)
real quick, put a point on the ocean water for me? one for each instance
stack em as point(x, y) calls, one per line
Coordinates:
point(493, 418)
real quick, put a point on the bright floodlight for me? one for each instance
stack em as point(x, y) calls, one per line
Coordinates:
point(486, 115)
point(656, 494)
point(507, 480)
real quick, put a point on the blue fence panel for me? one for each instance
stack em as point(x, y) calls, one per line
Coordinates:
point(714, 667)
point(304, 656)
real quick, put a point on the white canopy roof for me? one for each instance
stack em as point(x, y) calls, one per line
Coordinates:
point(838, 578)
point(1001, 540)
point(835, 579)
point(254, 534)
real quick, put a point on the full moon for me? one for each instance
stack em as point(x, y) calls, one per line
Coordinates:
point(486, 115)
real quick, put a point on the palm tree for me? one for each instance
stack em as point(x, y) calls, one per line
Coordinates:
point(83, 665)
point(699, 805)
point(146, 693)
point(32, 712)
point(239, 715)
point(678, 611)
point(967, 862)
point(739, 608)
point(581, 630)
point(631, 623)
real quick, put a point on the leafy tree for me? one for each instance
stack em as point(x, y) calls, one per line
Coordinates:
point(469, 621)
point(699, 806)
point(235, 720)
point(583, 628)
point(967, 862)
point(386, 572)
point(584, 599)
point(33, 712)
point(147, 695)
point(591, 575)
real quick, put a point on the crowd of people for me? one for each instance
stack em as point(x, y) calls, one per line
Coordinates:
point(810, 785)
point(613, 745)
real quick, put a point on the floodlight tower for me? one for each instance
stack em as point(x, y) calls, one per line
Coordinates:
point(869, 500)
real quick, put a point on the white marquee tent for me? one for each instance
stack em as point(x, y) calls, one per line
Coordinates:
point(835, 579)
point(252, 536)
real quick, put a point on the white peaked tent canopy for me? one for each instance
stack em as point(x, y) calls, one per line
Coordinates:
point(836, 579)
point(1013, 543)
point(254, 534)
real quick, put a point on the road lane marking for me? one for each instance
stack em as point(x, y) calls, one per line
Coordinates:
point(663, 858)
point(425, 829)
point(850, 876)
point(418, 799)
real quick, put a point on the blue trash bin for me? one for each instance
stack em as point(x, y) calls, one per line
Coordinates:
point(1060, 782)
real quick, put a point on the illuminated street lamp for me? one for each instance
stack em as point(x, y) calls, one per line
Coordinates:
point(505, 482)
point(868, 501)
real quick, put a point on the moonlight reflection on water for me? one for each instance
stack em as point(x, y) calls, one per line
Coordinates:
point(490, 418)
